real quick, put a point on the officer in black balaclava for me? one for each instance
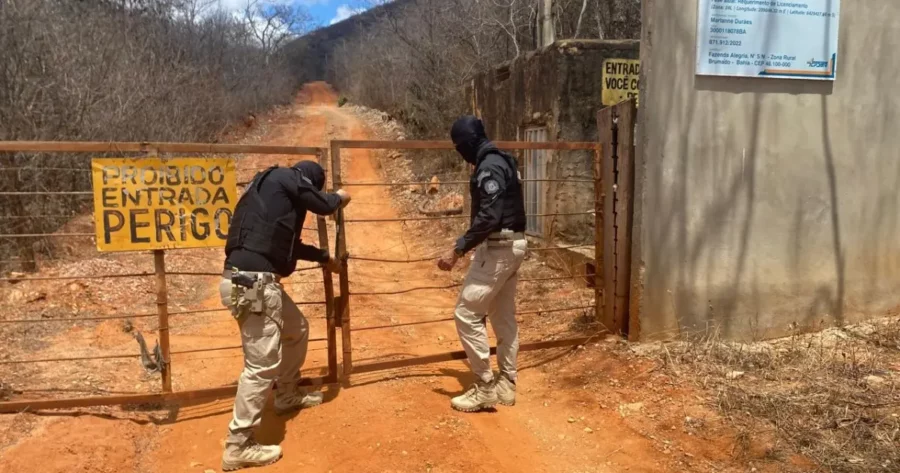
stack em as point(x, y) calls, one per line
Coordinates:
point(263, 247)
point(489, 290)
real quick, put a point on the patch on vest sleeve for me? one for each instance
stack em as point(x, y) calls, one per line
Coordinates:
point(491, 186)
point(482, 176)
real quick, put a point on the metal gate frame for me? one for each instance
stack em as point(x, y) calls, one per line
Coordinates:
point(342, 302)
point(605, 179)
point(149, 149)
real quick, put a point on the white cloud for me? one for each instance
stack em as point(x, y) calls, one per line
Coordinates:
point(344, 12)
point(232, 5)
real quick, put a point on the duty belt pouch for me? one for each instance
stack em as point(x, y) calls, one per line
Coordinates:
point(255, 296)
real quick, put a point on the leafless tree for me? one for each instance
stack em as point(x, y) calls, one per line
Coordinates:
point(584, 5)
point(273, 24)
point(116, 70)
point(415, 59)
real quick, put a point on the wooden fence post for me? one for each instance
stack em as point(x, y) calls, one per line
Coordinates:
point(605, 125)
point(616, 128)
point(626, 112)
point(162, 306)
point(343, 308)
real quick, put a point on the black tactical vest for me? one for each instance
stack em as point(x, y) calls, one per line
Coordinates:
point(513, 217)
point(253, 229)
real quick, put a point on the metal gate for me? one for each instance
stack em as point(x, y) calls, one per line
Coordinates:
point(535, 175)
point(612, 184)
point(159, 276)
point(346, 297)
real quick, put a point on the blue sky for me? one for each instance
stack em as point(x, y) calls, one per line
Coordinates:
point(324, 12)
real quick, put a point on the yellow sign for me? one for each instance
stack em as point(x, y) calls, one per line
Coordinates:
point(154, 203)
point(621, 80)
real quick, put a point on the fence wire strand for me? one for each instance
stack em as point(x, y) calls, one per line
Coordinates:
point(441, 183)
point(127, 356)
point(432, 258)
point(451, 181)
point(450, 319)
point(455, 217)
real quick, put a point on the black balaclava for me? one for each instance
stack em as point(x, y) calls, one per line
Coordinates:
point(468, 136)
point(312, 171)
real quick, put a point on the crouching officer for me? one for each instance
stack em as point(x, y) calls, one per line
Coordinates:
point(489, 290)
point(263, 247)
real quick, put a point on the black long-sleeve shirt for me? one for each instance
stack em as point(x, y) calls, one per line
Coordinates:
point(284, 190)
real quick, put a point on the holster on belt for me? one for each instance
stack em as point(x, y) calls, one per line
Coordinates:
point(247, 292)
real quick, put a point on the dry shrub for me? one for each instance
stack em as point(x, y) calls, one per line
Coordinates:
point(414, 59)
point(833, 397)
point(118, 70)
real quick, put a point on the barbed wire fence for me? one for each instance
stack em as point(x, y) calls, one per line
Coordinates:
point(336, 303)
point(346, 285)
point(29, 246)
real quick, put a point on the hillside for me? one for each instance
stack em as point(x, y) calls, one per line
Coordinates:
point(413, 59)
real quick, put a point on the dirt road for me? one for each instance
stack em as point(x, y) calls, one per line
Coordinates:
point(568, 417)
point(397, 421)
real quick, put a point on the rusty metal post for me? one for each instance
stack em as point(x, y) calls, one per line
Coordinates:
point(162, 306)
point(343, 307)
point(322, 156)
point(331, 329)
point(599, 196)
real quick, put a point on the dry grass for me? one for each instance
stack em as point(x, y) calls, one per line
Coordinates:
point(832, 397)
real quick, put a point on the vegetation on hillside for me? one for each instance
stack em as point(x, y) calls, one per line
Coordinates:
point(124, 70)
point(415, 59)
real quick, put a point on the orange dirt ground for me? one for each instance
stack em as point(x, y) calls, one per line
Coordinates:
point(600, 408)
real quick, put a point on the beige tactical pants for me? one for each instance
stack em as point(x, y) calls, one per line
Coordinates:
point(275, 344)
point(489, 290)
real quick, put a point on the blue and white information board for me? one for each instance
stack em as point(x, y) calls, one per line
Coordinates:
point(788, 39)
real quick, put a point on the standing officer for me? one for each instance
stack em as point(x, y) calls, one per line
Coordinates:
point(263, 247)
point(497, 230)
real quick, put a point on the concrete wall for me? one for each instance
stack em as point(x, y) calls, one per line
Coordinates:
point(558, 87)
point(763, 203)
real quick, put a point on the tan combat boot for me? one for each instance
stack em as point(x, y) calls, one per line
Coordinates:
point(248, 455)
point(480, 396)
point(291, 399)
point(506, 390)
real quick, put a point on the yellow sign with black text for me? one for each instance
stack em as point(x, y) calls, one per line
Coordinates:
point(621, 80)
point(154, 203)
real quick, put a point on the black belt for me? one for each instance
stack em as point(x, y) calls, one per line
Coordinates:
point(511, 235)
point(274, 277)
